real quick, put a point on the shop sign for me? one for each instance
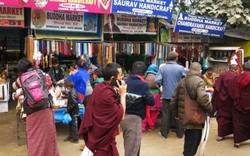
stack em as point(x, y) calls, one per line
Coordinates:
point(184, 38)
point(11, 17)
point(129, 24)
point(92, 6)
point(63, 21)
point(199, 25)
point(149, 8)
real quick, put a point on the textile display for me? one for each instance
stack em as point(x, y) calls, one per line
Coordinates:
point(66, 48)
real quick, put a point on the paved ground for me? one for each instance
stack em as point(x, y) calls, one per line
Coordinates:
point(152, 144)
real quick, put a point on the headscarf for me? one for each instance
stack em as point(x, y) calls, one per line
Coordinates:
point(152, 69)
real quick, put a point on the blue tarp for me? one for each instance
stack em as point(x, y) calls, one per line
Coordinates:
point(59, 113)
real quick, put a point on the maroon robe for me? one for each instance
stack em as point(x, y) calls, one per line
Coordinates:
point(223, 102)
point(241, 111)
point(101, 119)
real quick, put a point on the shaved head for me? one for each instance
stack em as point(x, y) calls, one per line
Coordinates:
point(233, 67)
point(195, 66)
point(246, 66)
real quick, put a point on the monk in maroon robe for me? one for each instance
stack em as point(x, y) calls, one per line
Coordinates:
point(223, 101)
point(104, 112)
point(241, 110)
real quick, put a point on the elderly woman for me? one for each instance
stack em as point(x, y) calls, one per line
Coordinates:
point(152, 112)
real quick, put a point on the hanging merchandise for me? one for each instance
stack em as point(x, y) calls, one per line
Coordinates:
point(65, 48)
point(30, 47)
point(127, 48)
point(107, 53)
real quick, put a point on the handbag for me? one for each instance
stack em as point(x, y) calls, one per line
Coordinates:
point(194, 113)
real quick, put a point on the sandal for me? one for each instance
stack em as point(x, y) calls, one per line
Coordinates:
point(220, 138)
point(237, 145)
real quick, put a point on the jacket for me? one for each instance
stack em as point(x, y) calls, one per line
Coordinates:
point(196, 88)
point(138, 107)
point(72, 106)
point(56, 75)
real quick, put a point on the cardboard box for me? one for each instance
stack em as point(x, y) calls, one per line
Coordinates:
point(4, 92)
point(4, 106)
point(4, 97)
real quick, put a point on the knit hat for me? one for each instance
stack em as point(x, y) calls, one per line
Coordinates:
point(173, 54)
point(152, 69)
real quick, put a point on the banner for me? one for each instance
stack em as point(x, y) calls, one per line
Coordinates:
point(199, 25)
point(63, 21)
point(129, 24)
point(149, 8)
point(92, 6)
point(11, 17)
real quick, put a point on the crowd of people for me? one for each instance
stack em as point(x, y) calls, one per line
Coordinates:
point(230, 100)
point(133, 104)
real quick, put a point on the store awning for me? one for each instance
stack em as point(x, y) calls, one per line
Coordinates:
point(242, 33)
point(41, 34)
point(91, 6)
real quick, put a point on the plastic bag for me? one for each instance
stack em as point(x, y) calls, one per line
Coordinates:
point(67, 119)
point(86, 152)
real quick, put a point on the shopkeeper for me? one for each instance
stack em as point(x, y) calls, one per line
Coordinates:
point(56, 72)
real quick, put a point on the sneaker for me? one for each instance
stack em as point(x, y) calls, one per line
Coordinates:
point(74, 140)
point(67, 138)
point(162, 135)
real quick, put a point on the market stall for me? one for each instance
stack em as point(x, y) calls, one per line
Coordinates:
point(60, 104)
point(4, 91)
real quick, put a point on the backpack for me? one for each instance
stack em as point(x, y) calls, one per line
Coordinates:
point(35, 91)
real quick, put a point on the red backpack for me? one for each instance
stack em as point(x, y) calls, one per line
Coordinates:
point(35, 91)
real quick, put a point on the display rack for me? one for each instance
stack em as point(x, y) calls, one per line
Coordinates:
point(220, 57)
point(4, 97)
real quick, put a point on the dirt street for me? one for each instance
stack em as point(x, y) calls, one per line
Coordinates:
point(152, 144)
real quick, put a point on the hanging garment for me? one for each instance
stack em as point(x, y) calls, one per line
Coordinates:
point(66, 48)
point(53, 46)
point(57, 48)
point(48, 47)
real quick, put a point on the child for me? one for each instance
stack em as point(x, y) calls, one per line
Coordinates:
point(97, 77)
point(73, 110)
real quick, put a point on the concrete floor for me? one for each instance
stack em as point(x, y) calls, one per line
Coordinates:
point(152, 144)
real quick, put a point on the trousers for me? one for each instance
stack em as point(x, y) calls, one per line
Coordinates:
point(192, 141)
point(73, 128)
point(168, 121)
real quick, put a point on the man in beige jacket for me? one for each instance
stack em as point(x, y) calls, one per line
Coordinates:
point(196, 89)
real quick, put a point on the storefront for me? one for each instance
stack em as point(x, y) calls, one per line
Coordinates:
point(132, 31)
point(67, 35)
point(12, 31)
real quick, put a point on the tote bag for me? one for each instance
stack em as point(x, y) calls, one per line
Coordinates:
point(194, 114)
